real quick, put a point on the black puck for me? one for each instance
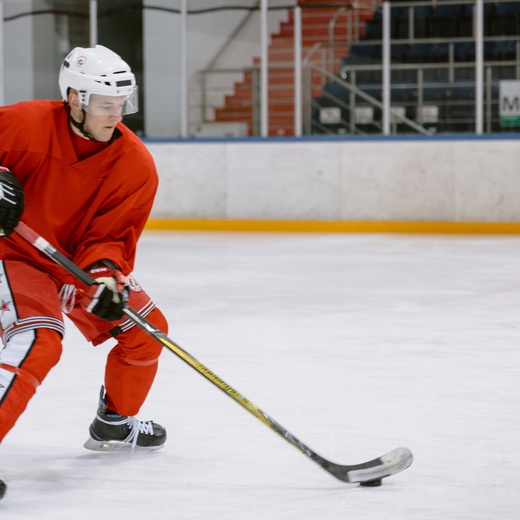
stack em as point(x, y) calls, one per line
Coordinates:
point(372, 483)
point(3, 489)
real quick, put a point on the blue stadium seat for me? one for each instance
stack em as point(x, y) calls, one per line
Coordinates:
point(441, 52)
point(505, 19)
point(433, 93)
point(420, 53)
point(375, 92)
point(505, 50)
point(490, 50)
point(464, 51)
point(421, 17)
point(374, 27)
point(399, 52)
point(336, 90)
point(445, 20)
point(507, 8)
point(460, 93)
point(403, 94)
point(398, 23)
point(363, 54)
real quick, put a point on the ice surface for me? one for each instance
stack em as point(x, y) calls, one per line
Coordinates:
point(357, 344)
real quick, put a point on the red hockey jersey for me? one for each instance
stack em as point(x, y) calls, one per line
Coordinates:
point(90, 209)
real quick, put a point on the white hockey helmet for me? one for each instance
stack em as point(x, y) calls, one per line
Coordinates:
point(99, 71)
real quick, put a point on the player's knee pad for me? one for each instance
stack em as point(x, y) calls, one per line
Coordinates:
point(136, 347)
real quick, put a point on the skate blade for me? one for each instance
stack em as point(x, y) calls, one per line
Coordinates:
point(117, 446)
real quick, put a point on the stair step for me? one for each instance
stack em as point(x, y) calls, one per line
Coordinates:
point(315, 28)
point(308, 18)
point(320, 29)
point(274, 79)
point(308, 40)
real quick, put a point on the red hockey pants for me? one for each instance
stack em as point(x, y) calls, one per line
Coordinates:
point(32, 329)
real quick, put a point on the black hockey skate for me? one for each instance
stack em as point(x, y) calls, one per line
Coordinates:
point(114, 432)
point(3, 489)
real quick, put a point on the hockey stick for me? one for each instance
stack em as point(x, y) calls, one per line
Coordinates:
point(368, 473)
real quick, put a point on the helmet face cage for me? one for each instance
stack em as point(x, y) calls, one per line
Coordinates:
point(100, 72)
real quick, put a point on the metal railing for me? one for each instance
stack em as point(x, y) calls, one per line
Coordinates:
point(354, 93)
point(441, 105)
point(321, 78)
point(352, 29)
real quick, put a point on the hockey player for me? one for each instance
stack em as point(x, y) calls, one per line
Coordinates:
point(86, 183)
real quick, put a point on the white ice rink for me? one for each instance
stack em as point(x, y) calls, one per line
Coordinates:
point(357, 344)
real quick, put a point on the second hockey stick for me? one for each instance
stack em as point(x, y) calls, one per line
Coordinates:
point(367, 473)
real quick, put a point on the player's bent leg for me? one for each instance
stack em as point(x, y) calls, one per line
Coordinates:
point(131, 367)
point(26, 359)
point(130, 372)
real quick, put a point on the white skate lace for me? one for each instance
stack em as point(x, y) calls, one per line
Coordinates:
point(67, 296)
point(137, 427)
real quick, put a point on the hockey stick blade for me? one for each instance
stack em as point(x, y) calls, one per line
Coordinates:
point(373, 470)
point(367, 472)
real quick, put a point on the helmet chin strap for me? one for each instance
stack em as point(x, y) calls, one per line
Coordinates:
point(80, 126)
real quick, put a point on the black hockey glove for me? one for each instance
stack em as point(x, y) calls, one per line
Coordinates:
point(107, 298)
point(12, 202)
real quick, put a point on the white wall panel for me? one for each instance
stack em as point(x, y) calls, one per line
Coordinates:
point(487, 181)
point(291, 181)
point(192, 181)
point(397, 181)
point(474, 180)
